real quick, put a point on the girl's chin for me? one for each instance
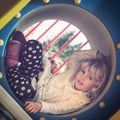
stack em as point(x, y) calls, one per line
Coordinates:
point(79, 89)
point(75, 87)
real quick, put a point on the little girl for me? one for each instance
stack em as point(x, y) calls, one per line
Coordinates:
point(85, 78)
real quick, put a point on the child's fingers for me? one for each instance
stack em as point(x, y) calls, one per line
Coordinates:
point(34, 110)
point(27, 102)
point(31, 110)
point(30, 107)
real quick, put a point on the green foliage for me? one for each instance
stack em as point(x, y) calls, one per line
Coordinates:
point(56, 46)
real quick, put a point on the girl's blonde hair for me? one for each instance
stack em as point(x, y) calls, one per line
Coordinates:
point(100, 69)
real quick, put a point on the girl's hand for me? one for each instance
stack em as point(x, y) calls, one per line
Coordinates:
point(33, 107)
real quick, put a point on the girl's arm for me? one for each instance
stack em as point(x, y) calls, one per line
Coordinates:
point(59, 107)
point(63, 107)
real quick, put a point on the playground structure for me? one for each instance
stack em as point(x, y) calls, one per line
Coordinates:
point(97, 34)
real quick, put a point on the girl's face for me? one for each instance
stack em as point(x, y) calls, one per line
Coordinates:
point(84, 80)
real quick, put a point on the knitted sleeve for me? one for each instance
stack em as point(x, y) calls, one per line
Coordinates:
point(63, 107)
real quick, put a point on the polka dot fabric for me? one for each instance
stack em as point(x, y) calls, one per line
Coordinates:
point(20, 85)
point(31, 62)
point(19, 77)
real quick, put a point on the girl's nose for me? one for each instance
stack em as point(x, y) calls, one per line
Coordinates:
point(83, 77)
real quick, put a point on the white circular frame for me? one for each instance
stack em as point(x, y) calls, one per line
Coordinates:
point(94, 30)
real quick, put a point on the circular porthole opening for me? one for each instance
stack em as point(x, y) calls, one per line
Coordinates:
point(63, 29)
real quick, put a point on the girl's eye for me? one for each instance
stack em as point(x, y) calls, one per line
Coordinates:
point(90, 78)
point(83, 71)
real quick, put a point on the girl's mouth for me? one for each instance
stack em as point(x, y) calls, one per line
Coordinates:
point(80, 82)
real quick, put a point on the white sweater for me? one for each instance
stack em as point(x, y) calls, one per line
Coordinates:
point(57, 93)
